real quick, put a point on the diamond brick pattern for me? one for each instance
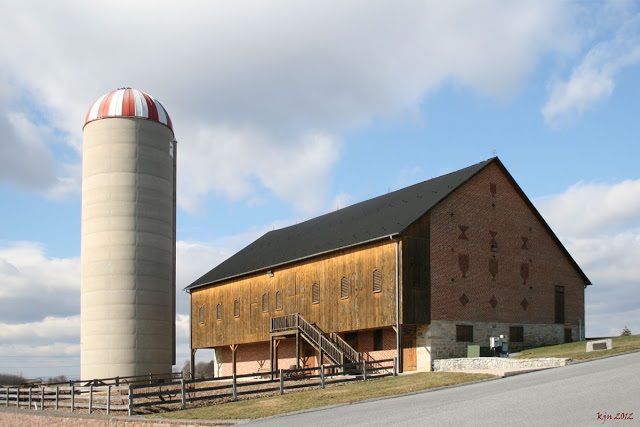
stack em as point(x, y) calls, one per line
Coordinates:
point(464, 299)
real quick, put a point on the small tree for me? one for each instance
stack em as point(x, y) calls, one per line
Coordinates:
point(626, 332)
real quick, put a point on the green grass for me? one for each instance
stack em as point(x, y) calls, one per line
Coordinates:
point(348, 393)
point(577, 350)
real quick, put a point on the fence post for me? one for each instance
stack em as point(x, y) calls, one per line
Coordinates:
point(108, 399)
point(73, 396)
point(130, 399)
point(41, 398)
point(364, 370)
point(7, 400)
point(29, 397)
point(395, 366)
point(57, 397)
point(322, 375)
point(235, 388)
point(281, 382)
point(183, 400)
point(18, 398)
point(90, 398)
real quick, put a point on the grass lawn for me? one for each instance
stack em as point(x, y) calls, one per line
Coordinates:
point(347, 393)
point(576, 350)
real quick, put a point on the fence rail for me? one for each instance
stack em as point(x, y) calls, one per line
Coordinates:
point(133, 398)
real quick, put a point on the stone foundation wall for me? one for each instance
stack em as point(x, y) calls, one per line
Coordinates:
point(474, 363)
point(438, 340)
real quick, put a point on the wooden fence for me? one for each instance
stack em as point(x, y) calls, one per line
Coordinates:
point(139, 397)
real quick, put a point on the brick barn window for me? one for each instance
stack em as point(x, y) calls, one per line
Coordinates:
point(464, 333)
point(236, 308)
point(265, 302)
point(377, 281)
point(201, 315)
point(279, 300)
point(315, 293)
point(344, 288)
point(377, 339)
point(219, 311)
point(516, 334)
point(559, 304)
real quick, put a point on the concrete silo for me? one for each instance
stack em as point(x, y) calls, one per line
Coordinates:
point(128, 237)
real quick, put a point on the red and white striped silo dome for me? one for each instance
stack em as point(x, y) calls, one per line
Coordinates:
point(128, 102)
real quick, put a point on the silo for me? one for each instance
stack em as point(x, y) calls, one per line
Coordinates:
point(128, 237)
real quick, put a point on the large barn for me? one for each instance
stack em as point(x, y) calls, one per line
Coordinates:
point(419, 273)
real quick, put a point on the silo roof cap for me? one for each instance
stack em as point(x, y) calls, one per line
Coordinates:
point(128, 102)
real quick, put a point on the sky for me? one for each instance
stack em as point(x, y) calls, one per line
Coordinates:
point(288, 109)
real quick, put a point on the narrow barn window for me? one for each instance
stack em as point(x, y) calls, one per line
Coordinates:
point(265, 302)
point(377, 339)
point(377, 281)
point(315, 293)
point(279, 300)
point(559, 304)
point(344, 288)
point(236, 308)
point(219, 311)
point(464, 333)
point(201, 315)
point(516, 334)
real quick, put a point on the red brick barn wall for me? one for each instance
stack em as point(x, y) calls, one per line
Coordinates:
point(254, 357)
point(494, 264)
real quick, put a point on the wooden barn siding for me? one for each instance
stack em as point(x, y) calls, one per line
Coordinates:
point(506, 214)
point(362, 310)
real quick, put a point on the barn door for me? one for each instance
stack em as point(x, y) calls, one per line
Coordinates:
point(409, 360)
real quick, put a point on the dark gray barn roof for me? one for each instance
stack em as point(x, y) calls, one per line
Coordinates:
point(373, 219)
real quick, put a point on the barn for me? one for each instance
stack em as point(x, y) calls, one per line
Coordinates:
point(418, 273)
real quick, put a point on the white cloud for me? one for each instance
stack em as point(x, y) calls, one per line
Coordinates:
point(600, 226)
point(587, 209)
point(593, 80)
point(35, 285)
point(282, 80)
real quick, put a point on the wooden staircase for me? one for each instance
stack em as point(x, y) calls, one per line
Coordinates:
point(334, 347)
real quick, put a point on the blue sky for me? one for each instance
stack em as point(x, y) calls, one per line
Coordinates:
point(288, 109)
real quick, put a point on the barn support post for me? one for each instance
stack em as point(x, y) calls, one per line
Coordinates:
point(297, 349)
point(233, 348)
point(192, 363)
point(235, 387)
point(398, 326)
point(276, 344)
point(271, 368)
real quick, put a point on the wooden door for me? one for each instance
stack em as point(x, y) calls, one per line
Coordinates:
point(409, 359)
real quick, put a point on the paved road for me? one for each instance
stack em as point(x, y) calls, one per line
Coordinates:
point(583, 394)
